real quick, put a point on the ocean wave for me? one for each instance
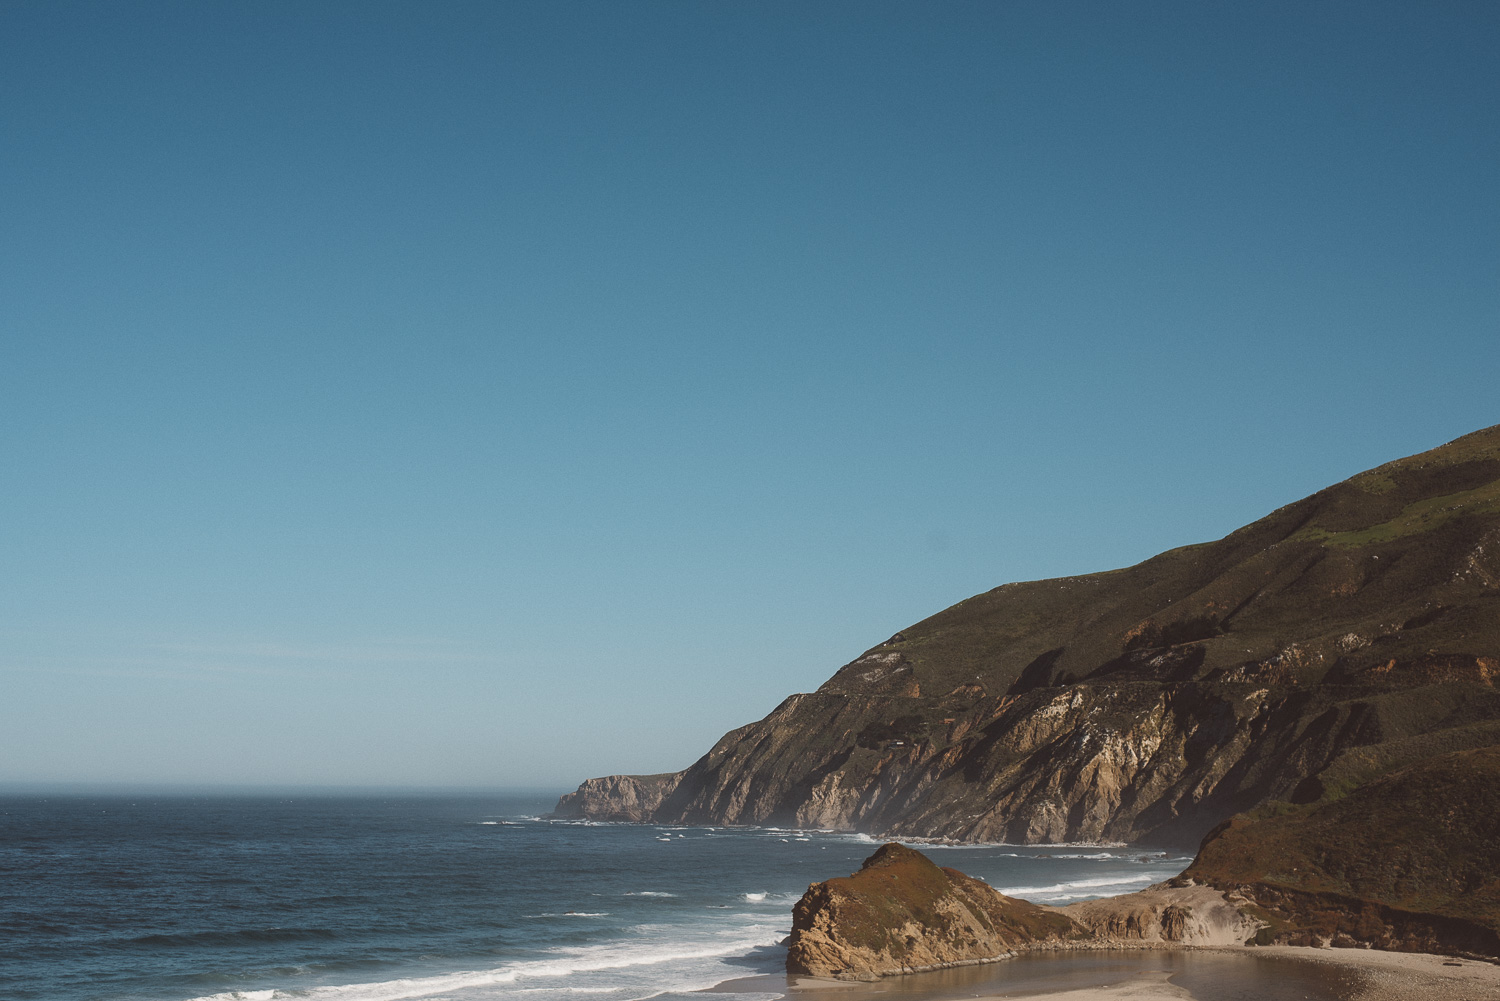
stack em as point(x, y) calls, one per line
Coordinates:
point(570, 914)
point(938, 845)
point(649, 893)
point(567, 990)
point(1077, 884)
point(1097, 856)
point(616, 956)
point(754, 897)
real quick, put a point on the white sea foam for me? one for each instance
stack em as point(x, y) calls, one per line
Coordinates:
point(755, 897)
point(617, 957)
point(649, 893)
point(1071, 888)
point(1096, 856)
point(565, 990)
point(969, 846)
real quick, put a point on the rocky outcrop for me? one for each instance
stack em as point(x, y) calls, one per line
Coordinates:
point(901, 913)
point(1340, 637)
point(1187, 914)
point(1409, 861)
point(631, 798)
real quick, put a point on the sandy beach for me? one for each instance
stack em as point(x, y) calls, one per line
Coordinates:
point(1350, 974)
point(1385, 976)
point(1405, 975)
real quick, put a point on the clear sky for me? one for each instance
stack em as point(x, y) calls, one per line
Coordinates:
point(502, 394)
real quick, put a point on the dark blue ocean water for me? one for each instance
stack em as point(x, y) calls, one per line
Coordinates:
point(377, 899)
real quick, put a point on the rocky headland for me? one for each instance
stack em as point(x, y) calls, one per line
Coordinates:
point(1336, 641)
point(1312, 697)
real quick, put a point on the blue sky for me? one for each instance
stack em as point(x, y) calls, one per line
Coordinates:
point(499, 394)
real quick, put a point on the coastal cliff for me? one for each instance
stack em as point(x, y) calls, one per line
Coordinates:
point(1349, 634)
point(629, 798)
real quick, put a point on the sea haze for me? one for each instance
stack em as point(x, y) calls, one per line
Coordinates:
point(369, 898)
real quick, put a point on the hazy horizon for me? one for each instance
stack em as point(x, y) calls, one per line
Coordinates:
point(165, 790)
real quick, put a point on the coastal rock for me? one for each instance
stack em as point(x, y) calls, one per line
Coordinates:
point(1354, 632)
point(901, 913)
point(1187, 914)
point(630, 798)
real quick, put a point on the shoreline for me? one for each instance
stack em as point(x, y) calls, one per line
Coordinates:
point(1363, 975)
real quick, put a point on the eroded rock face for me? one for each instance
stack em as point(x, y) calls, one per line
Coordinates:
point(1187, 914)
point(630, 798)
point(902, 913)
point(1350, 633)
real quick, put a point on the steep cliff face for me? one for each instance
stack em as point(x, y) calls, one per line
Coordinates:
point(630, 798)
point(1340, 637)
point(901, 913)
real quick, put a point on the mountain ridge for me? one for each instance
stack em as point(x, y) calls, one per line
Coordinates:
point(1340, 636)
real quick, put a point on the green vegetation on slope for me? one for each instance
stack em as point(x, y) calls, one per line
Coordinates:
point(1339, 637)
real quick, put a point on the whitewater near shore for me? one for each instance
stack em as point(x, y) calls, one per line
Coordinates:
point(369, 899)
point(387, 899)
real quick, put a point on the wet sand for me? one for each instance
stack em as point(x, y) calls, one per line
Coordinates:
point(1277, 973)
point(1390, 976)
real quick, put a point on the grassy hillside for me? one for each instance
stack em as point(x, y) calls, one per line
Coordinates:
point(1342, 636)
point(1410, 860)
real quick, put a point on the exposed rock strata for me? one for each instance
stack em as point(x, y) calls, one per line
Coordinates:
point(1186, 914)
point(1340, 637)
point(630, 798)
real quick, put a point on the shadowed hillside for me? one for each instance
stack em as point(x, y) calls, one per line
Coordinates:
point(1410, 861)
point(1343, 636)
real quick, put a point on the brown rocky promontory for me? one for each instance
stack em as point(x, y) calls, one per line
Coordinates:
point(1353, 632)
point(628, 798)
point(1407, 863)
point(901, 913)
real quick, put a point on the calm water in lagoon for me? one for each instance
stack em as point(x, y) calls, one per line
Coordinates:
point(466, 898)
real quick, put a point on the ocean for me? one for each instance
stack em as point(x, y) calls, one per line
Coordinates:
point(380, 898)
